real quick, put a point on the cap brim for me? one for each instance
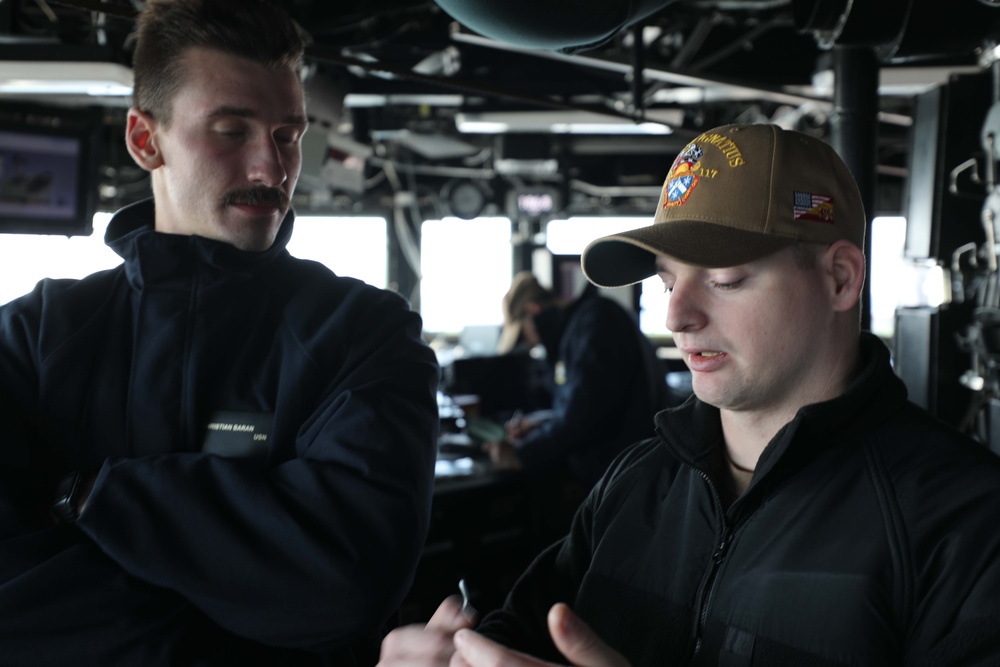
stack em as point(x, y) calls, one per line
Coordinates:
point(629, 257)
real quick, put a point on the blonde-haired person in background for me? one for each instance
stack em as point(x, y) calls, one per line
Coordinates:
point(605, 381)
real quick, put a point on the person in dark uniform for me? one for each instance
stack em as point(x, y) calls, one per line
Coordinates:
point(606, 381)
point(214, 454)
point(799, 510)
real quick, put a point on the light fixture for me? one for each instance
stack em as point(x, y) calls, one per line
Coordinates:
point(65, 78)
point(564, 122)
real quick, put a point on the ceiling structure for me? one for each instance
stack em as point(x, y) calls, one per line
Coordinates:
point(410, 107)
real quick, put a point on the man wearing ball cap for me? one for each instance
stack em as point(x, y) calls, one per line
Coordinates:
point(798, 510)
point(733, 195)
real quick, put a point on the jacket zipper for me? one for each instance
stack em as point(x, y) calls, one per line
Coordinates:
point(718, 555)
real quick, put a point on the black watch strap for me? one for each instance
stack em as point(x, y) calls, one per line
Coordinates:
point(67, 502)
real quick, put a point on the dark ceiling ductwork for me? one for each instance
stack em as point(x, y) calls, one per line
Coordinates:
point(900, 30)
point(393, 78)
point(558, 25)
point(897, 28)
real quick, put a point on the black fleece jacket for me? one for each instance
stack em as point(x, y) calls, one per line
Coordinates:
point(264, 433)
point(867, 537)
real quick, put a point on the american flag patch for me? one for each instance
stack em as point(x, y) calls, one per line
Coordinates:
point(809, 206)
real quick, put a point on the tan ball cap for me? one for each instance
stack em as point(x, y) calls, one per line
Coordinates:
point(733, 195)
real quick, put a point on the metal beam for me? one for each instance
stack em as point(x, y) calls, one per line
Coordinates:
point(625, 69)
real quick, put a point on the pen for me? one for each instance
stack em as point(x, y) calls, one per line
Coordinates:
point(512, 430)
point(464, 590)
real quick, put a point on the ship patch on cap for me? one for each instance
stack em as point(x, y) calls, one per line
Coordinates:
point(683, 177)
point(733, 195)
point(812, 207)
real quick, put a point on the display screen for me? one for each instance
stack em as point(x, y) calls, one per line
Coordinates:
point(48, 169)
point(39, 176)
point(534, 202)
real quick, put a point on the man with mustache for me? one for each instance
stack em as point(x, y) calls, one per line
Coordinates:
point(214, 454)
point(798, 510)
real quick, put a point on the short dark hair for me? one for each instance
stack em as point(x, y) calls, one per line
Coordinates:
point(807, 254)
point(259, 30)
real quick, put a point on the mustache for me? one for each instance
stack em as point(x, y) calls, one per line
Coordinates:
point(256, 196)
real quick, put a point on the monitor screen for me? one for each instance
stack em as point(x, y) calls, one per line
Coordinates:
point(47, 183)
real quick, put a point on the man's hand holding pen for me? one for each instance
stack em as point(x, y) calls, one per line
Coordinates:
point(503, 453)
point(448, 639)
point(518, 426)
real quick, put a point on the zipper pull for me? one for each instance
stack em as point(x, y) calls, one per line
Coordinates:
point(720, 551)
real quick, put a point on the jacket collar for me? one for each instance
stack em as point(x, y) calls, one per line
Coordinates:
point(693, 431)
point(154, 257)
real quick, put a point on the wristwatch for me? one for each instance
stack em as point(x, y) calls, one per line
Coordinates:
point(68, 492)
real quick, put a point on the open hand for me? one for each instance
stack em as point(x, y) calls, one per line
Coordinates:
point(574, 639)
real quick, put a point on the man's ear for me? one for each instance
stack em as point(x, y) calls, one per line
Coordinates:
point(845, 265)
point(140, 139)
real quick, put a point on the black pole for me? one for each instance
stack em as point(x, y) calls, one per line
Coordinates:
point(854, 135)
point(638, 71)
